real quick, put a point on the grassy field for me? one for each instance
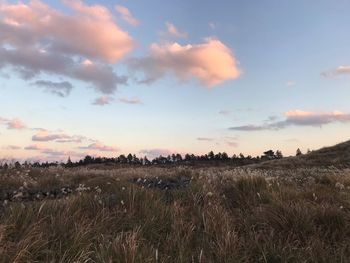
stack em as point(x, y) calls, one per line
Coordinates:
point(178, 214)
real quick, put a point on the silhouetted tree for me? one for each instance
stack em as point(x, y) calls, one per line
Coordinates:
point(69, 162)
point(298, 152)
point(269, 154)
point(279, 154)
point(88, 159)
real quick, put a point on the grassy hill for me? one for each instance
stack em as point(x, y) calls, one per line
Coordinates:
point(179, 214)
point(337, 156)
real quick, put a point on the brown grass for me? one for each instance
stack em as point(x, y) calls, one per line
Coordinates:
point(223, 216)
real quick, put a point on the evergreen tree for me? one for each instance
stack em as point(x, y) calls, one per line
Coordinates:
point(298, 152)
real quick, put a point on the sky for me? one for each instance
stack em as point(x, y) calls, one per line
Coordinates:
point(152, 78)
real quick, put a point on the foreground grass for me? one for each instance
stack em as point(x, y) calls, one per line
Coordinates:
point(243, 218)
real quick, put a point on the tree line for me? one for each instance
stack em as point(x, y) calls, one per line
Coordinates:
point(132, 159)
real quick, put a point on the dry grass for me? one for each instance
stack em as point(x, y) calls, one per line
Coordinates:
point(335, 156)
point(224, 215)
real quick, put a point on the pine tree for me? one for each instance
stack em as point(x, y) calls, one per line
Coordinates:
point(298, 152)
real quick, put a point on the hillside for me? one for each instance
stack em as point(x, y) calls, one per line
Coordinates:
point(337, 156)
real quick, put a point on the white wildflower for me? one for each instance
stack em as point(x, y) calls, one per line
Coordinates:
point(339, 186)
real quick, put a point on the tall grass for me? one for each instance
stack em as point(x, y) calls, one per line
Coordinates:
point(217, 218)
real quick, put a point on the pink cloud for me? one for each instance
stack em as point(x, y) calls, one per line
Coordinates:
point(35, 147)
point(299, 118)
point(103, 100)
point(45, 40)
point(210, 62)
point(130, 101)
point(15, 124)
point(126, 15)
point(341, 70)
point(100, 147)
point(232, 144)
point(205, 139)
point(174, 32)
point(90, 32)
point(45, 136)
point(13, 147)
point(152, 153)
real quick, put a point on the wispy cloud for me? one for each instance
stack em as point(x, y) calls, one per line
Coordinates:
point(225, 112)
point(13, 124)
point(290, 83)
point(35, 147)
point(61, 89)
point(298, 118)
point(131, 101)
point(212, 25)
point(52, 154)
point(12, 147)
point(156, 152)
point(206, 139)
point(100, 147)
point(103, 100)
point(172, 31)
point(211, 62)
point(341, 70)
point(126, 15)
point(45, 136)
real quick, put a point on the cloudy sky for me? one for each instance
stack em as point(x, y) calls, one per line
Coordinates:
point(149, 77)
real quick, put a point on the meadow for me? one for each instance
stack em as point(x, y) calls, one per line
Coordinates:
point(174, 214)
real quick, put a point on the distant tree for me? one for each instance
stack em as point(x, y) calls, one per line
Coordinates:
point(17, 165)
point(218, 156)
point(298, 152)
point(279, 154)
point(129, 158)
point(308, 151)
point(178, 157)
point(224, 156)
point(122, 159)
point(88, 159)
point(69, 162)
point(269, 154)
point(146, 161)
point(211, 155)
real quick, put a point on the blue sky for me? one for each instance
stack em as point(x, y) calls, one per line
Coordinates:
point(274, 62)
